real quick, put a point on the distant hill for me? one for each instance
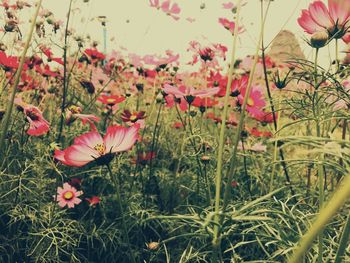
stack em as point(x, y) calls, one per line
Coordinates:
point(284, 47)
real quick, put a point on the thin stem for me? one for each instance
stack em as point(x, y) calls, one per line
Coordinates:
point(218, 181)
point(233, 161)
point(65, 80)
point(7, 117)
point(246, 175)
point(154, 139)
point(320, 163)
point(281, 153)
point(120, 206)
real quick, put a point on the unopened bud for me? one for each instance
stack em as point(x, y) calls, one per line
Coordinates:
point(319, 39)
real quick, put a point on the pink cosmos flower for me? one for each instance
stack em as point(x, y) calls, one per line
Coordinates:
point(37, 124)
point(133, 118)
point(334, 19)
point(230, 25)
point(171, 101)
point(92, 147)
point(171, 10)
point(74, 112)
point(189, 91)
point(68, 195)
point(256, 101)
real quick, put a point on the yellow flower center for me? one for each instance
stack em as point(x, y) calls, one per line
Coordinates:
point(74, 109)
point(100, 148)
point(250, 102)
point(110, 100)
point(68, 195)
point(133, 117)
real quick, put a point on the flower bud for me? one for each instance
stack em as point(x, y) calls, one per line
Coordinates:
point(153, 245)
point(205, 159)
point(319, 39)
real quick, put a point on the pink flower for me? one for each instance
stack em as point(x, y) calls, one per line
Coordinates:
point(73, 112)
point(256, 101)
point(230, 25)
point(154, 3)
point(171, 10)
point(334, 19)
point(228, 5)
point(133, 118)
point(37, 124)
point(189, 91)
point(68, 195)
point(92, 147)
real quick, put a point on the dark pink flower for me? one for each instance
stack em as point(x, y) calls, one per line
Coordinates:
point(37, 124)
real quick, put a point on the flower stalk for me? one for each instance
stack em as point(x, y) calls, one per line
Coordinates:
point(120, 206)
point(17, 78)
point(218, 181)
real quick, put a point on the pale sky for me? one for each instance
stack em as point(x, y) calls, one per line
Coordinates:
point(150, 31)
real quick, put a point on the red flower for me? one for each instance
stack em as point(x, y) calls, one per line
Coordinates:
point(75, 182)
point(204, 103)
point(255, 132)
point(8, 62)
point(143, 158)
point(206, 54)
point(264, 117)
point(47, 52)
point(110, 100)
point(132, 118)
point(178, 125)
point(94, 54)
point(93, 201)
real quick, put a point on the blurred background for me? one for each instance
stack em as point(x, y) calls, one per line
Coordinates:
point(136, 27)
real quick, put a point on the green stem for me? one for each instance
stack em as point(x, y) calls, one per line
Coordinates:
point(233, 160)
point(120, 207)
point(7, 117)
point(218, 181)
point(320, 163)
point(65, 79)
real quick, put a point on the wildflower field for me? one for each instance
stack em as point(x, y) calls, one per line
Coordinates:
point(208, 154)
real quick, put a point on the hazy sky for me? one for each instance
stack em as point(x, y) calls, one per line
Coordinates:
point(146, 30)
